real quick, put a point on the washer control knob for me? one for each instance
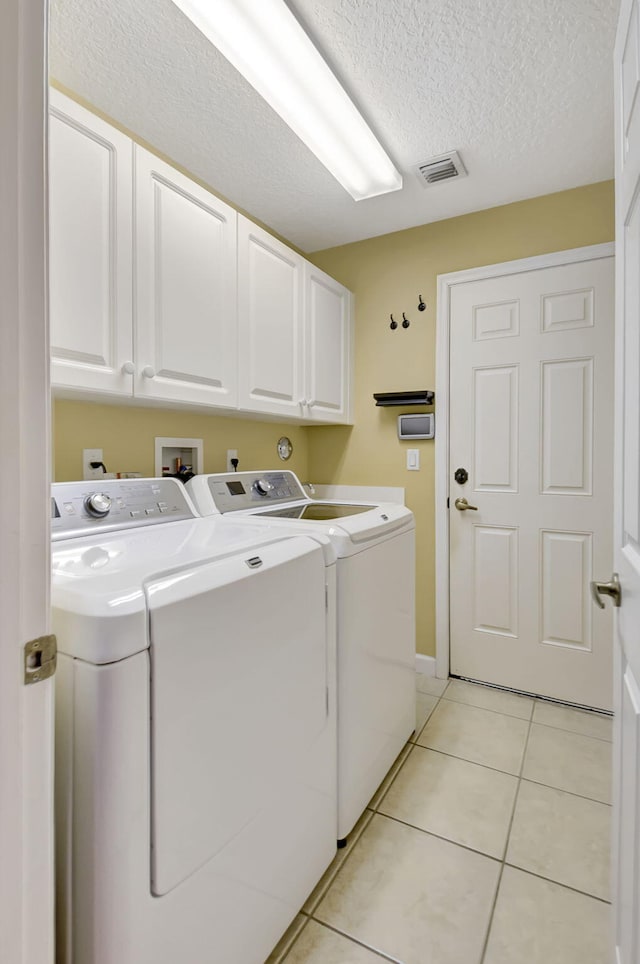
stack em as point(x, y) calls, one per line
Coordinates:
point(97, 505)
point(262, 486)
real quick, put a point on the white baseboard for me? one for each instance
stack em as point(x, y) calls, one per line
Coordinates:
point(425, 665)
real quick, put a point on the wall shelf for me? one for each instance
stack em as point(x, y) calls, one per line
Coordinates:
point(422, 397)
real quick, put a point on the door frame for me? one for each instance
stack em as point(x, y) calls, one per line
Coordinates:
point(445, 283)
point(26, 712)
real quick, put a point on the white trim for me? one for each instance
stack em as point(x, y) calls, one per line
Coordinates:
point(26, 712)
point(445, 283)
point(425, 665)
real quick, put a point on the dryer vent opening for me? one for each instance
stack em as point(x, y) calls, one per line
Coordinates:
point(444, 167)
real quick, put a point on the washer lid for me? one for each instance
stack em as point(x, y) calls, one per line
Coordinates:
point(98, 602)
point(240, 677)
point(279, 498)
point(317, 511)
point(346, 524)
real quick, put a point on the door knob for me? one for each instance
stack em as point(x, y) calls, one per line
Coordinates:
point(128, 368)
point(149, 372)
point(463, 505)
point(600, 589)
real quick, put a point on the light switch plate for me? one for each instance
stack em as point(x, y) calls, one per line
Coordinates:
point(413, 460)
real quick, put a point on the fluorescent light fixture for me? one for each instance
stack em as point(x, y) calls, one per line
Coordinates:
point(263, 40)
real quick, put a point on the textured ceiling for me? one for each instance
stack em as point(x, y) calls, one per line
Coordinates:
point(522, 88)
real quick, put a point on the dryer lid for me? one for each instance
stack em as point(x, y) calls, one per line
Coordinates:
point(97, 590)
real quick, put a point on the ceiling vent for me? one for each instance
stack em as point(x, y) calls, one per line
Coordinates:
point(444, 167)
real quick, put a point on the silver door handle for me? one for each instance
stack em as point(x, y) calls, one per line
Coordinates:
point(600, 589)
point(463, 505)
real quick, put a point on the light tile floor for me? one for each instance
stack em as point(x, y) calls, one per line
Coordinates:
point(487, 843)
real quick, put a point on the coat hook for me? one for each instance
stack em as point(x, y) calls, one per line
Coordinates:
point(421, 304)
point(394, 323)
point(405, 321)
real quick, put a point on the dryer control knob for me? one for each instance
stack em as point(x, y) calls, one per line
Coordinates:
point(262, 486)
point(97, 504)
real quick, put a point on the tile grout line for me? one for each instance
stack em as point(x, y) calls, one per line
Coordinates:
point(563, 729)
point(393, 778)
point(509, 773)
point(282, 958)
point(550, 880)
point(571, 793)
point(487, 766)
point(310, 915)
point(354, 940)
point(551, 726)
point(374, 810)
point(437, 836)
point(412, 743)
point(330, 882)
point(487, 709)
point(549, 700)
point(506, 844)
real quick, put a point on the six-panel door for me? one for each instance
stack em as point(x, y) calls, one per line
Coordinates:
point(531, 415)
point(185, 306)
point(90, 256)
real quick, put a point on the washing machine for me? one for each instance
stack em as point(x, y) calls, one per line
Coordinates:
point(375, 546)
point(195, 727)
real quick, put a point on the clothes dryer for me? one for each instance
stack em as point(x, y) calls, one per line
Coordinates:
point(195, 730)
point(375, 546)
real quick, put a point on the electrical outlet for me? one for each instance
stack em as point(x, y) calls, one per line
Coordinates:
point(91, 455)
point(231, 454)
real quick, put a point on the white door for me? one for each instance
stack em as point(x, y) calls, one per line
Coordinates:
point(328, 335)
point(270, 324)
point(626, 783)
point(26, 719)
point(90, 221)
point(185, 310)
point(531, 419)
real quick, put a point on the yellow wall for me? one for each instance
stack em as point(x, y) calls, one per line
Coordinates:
point(387, 274)
point(127, 436)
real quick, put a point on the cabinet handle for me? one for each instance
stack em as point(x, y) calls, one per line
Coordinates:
point(311, 402)
point(302, 402)
point(128, 368)
point(149, 372)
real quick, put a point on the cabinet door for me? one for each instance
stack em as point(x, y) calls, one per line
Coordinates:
point(328, 347)
point(270, 323)
point(185, 310)
point(90, 256)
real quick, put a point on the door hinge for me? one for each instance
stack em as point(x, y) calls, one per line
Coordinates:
point(447, 502)
point(40, 659)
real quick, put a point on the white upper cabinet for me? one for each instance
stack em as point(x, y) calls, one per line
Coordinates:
point(185, 309)
point(328, 347)
point(90, 255)
point(161, 291)
point(270, 314)
point(295, 328)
